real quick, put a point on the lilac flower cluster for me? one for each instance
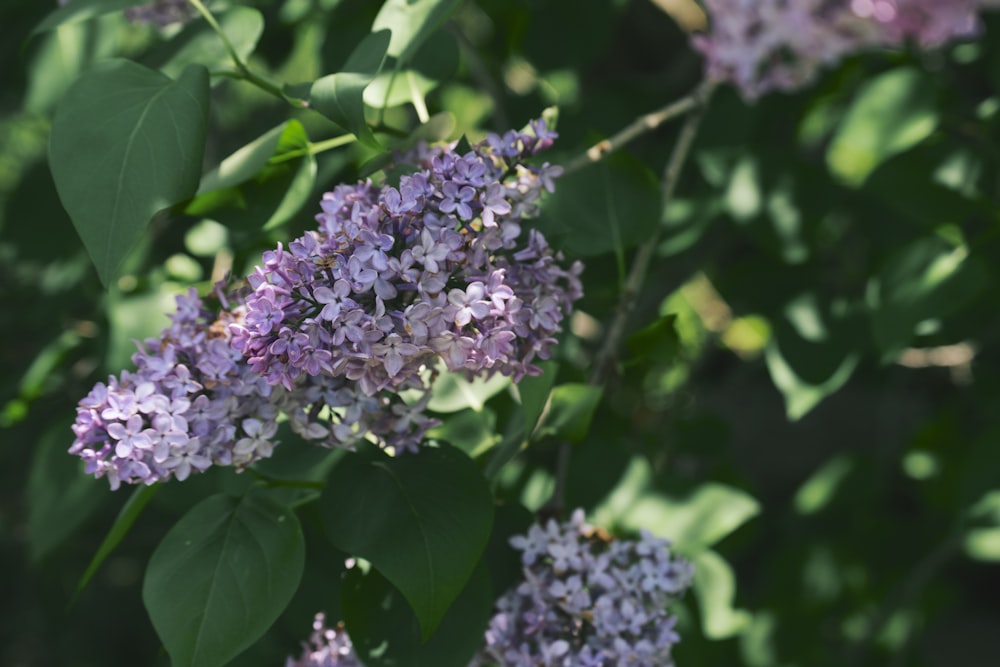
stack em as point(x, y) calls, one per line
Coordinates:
point(587, 601)
point(764, 45)
point(327, 647)
point(191, 403)
point(159, 12)
point(394, 280)
point(194, 402)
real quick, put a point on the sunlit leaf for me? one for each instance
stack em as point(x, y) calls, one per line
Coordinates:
point(891, 113)
point(569, 412)
point(340, 96)
point(715, 588)
point(82, 10)
point(411, 22)
point(126, 142)
point(198, 43)
point(451, 392)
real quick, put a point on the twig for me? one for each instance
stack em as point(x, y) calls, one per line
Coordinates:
point(637, 128)
point(605, 358)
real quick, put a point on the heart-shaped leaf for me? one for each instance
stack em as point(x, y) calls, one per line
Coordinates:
point(126, 143)
point(422, 520)
point(221, 576)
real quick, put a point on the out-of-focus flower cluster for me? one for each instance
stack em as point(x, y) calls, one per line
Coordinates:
point(764, 45)
point(327, 647)
point(586, 600)
point(159, 12)
point(396, 279)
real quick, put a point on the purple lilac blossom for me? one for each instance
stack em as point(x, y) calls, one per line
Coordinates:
point(194, 402)
point(587, 599)
point(159, 12)
point(327, 647)
point(191, 403)
point(394, 280)
point(765, 45)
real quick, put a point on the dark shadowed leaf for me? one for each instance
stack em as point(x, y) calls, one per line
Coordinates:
point(570, 410)
point(126, 142)
point(602, 208)
point(340, 96)
point(422, 520)
point(127, 516)
point(221, 576)
point(385, 633)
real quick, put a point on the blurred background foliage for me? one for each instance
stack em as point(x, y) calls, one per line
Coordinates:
point(806, 403)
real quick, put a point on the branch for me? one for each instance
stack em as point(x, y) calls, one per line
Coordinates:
point(605, 358)
point(637, 128)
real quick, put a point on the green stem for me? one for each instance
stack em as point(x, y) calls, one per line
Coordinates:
point(313, 148)
point(243, 71)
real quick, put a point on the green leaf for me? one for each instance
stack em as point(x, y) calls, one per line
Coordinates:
point(695, 522)
point(891, 113)
point(60, 496)
point(385, 633)
point(244, 164)
point(715, 588)
point(126, 143)
point(198, 43)
point(435, 62)
point(656, 343)
point(82, 10)
point(340, 96)
point(570, 410)
point(451, 392)
point(411, 22)
point(534, 391)
point(126, 518)
point(62, 56)
point(422, 520)
point(926, 280)
point(221, 577)
point(606, 207)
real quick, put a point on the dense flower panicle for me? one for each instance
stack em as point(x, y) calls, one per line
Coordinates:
point(192, 402)
point(327, 647)
point(587, 600)
point(394, 280)
point(764, 45)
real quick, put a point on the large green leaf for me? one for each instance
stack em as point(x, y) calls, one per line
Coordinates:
point(451, 392)
point(411, 22)
point(385, 633)
point(422, 520)
point(340, 96)
point(221, 576)
point(126, 143)
point(434, 63)
point(892, 112)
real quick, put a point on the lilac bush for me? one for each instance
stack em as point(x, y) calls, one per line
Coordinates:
point(765, 45)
